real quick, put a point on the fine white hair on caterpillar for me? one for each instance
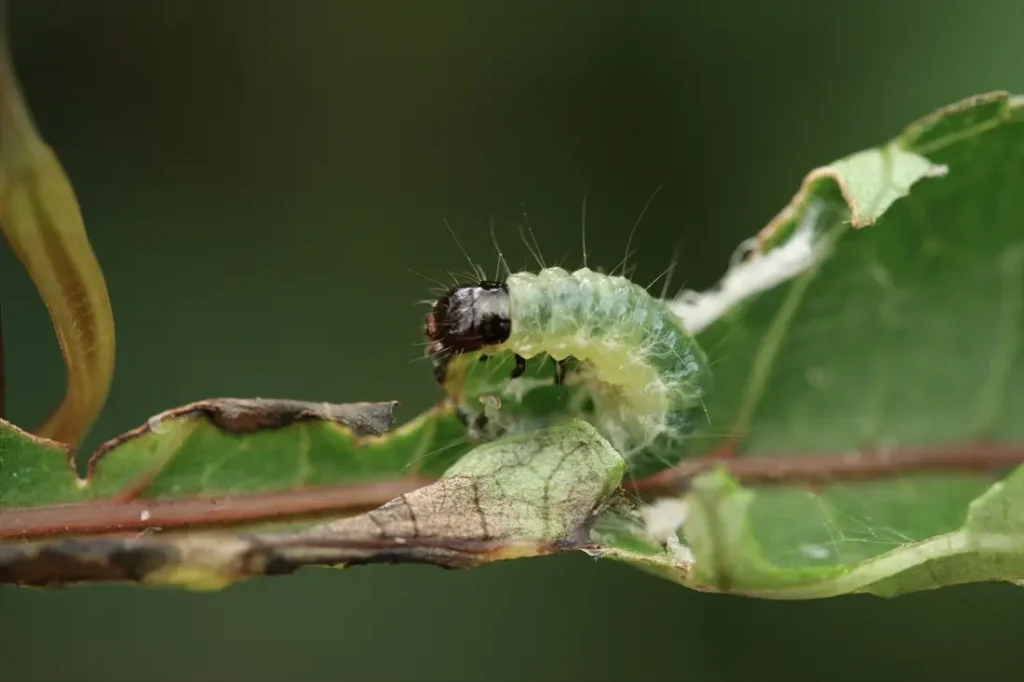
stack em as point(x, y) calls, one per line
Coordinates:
point(642, 372)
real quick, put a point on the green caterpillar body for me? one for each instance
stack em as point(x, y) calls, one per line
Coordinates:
point(650, 373)
point(645, 375)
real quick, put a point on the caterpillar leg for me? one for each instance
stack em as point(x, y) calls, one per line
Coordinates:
point(560, 366)
point(470, 420)
point(441, 361)
point(520, 367)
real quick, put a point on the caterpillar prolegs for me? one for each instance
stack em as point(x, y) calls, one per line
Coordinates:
point(638, 376)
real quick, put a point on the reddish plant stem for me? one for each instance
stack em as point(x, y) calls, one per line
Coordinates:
point(106, 517)
point(811, 469)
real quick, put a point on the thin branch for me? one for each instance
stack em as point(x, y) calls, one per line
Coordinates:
point(136, 516)
point(813, 469)
point(106, 517)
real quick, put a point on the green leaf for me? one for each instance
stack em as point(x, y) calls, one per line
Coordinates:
point(897, 349)
point(521, 496)
point(178, 468)
point(727, 524)
point(908, 331)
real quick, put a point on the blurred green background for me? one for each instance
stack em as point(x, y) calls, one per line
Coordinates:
point(258, 178)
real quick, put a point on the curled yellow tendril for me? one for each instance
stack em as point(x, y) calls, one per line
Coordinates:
point(42, 224)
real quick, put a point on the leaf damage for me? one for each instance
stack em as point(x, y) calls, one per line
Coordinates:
point(520, 497)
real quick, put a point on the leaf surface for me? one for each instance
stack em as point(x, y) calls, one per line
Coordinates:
point(902, 339)
point(223, 461)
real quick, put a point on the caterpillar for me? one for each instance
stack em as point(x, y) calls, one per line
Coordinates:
point(644, 375)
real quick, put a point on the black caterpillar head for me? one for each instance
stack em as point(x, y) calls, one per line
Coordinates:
point(467, 319)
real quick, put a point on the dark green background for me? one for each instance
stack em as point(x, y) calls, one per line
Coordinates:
point(259, 177)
